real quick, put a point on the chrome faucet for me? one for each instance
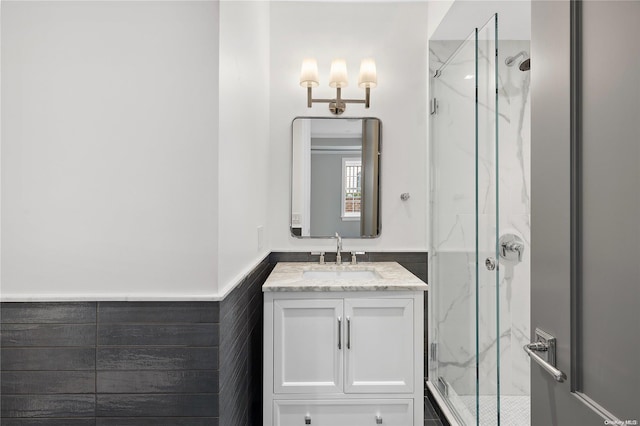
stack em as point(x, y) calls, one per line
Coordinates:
point(338, 250)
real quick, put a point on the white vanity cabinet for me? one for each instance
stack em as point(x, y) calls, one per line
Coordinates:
point(339, 357)
point(340, 345)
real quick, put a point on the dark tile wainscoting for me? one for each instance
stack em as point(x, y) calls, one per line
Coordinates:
point(144, 363)
point(241, 351)
point(109, 363)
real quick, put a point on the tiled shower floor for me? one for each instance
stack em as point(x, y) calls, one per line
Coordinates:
point(515, 410)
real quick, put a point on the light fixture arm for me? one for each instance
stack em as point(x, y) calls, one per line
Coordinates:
point(338, 104)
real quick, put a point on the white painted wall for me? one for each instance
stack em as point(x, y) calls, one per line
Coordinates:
point(436, 11)
point(393, 33)
point(244, 138)
point(109, 149)
point(124, 123)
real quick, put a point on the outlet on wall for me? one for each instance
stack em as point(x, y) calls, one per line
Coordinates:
point(260, 237)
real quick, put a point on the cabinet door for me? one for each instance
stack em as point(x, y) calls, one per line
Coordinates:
point(308, 346)
point(379, 345)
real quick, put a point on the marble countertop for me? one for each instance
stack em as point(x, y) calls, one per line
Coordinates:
point(288, 276)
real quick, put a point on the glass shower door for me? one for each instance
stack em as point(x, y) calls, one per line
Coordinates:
point(464, 365)
point(453, 228)
point(487, 212)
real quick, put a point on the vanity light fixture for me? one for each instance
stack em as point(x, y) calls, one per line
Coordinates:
point(338, 79)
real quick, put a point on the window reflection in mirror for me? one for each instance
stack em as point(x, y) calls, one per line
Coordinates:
point(335, 177)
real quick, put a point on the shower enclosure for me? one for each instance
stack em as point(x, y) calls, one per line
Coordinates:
point(479, 268)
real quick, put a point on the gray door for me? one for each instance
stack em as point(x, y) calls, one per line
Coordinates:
point(585, 98)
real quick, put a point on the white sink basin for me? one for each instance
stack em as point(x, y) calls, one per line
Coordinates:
point(339, 275)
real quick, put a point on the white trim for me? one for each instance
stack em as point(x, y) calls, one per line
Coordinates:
point(350, 218)
point(340, 148)
point(133, 297)
point(344, 215)
point(334, 152)
point(319, 135)
point(241, 276)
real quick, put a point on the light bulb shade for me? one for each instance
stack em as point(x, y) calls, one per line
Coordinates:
point(309, 73)
point(368, 76)
point(338, 77)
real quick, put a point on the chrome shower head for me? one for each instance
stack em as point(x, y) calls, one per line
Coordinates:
point(524, 65)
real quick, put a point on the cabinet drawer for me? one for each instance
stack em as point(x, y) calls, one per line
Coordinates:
point(363, 412)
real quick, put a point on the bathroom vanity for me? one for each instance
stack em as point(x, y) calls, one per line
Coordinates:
point(343, 345)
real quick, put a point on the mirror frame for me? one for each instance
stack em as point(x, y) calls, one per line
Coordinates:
point(301, 237)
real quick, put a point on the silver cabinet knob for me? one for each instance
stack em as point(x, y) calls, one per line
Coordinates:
point(307, 419)
point(378, 419)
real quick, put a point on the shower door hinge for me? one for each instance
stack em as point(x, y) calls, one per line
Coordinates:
point(433, 353)
point(434, 106)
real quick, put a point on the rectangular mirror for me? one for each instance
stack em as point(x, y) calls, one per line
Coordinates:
point(335, 177)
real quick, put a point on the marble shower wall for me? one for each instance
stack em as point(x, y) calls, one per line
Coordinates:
point(515, 217)
point(453, 222)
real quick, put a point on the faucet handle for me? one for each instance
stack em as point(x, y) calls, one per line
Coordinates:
point(354, 259)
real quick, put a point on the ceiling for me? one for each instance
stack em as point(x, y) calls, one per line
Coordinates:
point(514, 19)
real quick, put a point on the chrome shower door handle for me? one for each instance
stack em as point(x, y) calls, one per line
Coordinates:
point(547, 344)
